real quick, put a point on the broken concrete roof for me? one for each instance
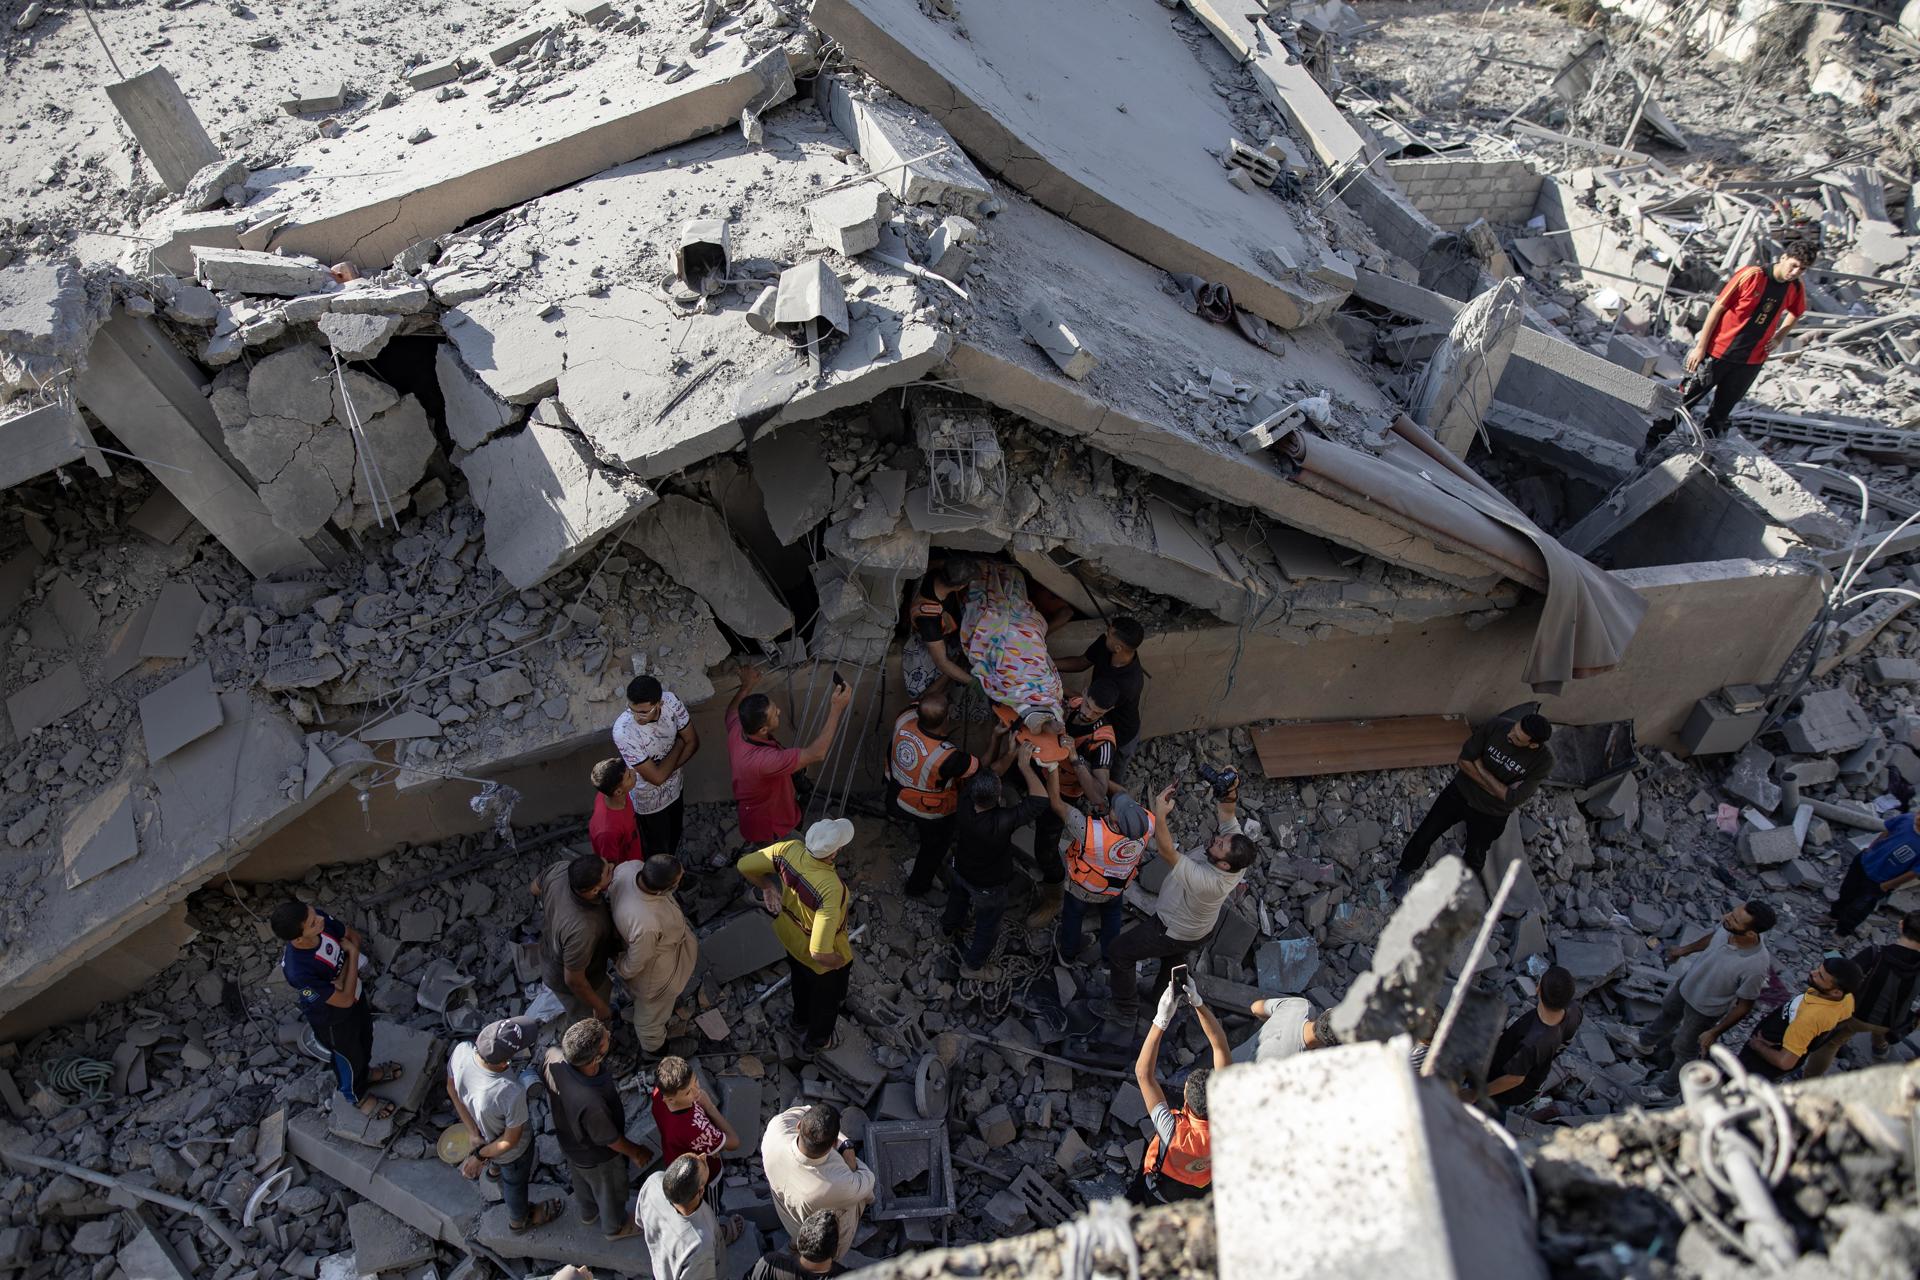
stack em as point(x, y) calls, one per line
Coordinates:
point(367, 201)
point(48, 312)
point(1123, 141)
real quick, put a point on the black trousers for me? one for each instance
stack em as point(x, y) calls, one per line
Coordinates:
point(1728, 381)
point(1047, 830)
point(1163, 1190)
point(1449, 810)
point(936, 837)
point(817, 998)
point(1860, 894)
point(348, 1036)
point(660, 832)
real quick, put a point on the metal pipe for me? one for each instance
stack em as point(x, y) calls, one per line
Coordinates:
point(1766, 1232)
point(134, 1189)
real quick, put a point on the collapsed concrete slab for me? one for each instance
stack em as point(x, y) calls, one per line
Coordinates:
point(693, 544)
point(40, 440)
point(350, 203)
point(547, 499)
point(139, 385)
point(47, 317)
point(1135, 414)
point(1456, 387)
point(160, 117)
point(1145, 180)
point(1629, 503)
point(197, 812)
point(903, 148)
point(657, 384)
point(1446, 1199)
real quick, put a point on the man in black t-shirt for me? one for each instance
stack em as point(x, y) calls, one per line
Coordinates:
point(933, 657)
point(591, 1123)
point(1115, 659)
point(812, 1253)
point(982, 868)
point(1531, 1041)
point(1503, 762)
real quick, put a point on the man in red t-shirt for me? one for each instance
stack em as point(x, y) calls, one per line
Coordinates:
point(763, 769)
point(612, 831)
point(1755, 309)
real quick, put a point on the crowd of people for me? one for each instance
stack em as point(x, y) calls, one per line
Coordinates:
point(612, 932)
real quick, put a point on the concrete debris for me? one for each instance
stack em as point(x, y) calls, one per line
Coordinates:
point(244, 271)
point(1044, 328)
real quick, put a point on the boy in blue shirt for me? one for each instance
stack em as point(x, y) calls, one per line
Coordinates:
point(321, 961)
point(1877, 870)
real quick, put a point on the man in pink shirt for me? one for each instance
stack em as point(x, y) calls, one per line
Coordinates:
point(763, 769)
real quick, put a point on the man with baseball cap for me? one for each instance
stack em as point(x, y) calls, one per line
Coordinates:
point(809, 903)
point(492, 1104)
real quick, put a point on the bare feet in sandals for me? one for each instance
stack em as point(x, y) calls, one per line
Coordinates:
point(730, 1229)
point(378, 1108)
point(543, 1213)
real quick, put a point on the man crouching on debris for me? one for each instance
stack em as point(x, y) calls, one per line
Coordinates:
point(1179, 1160)
point(1502, 764)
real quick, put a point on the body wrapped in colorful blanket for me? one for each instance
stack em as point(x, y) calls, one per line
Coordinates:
point(1006, 641)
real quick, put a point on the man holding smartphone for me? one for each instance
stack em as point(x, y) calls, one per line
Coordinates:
point(1179, 1161)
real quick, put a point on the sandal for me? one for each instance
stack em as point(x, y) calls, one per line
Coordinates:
point(383, 1111)
point(543, 1213)
point(385, 1072)
point(730, 1229)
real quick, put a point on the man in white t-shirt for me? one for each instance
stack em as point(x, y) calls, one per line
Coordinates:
point(656, 737)
point(1191, 897)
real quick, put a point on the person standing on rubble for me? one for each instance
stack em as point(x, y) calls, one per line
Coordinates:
point(1786, 1035)
point(656, 737)
point(932, 660)
point(577, 937)
point(810, 1167)
point(926, 769)
point(1179, 1161)
point(1102, 856)
point(763, 769)
point(492, 1104)
point(321, 962)
point(1892, 860)
point(1191, 899)
point(809, 904)
point(983, 861)
point(1717, 993)
point(611, 830)
point(1755, 309)
point(686, 1240)
point(1503, 763)
point(1084, 781)
point(1883, 1002)
point(590, 1121)
point(815, 1252)
point(1115, 659)
point(660, 947)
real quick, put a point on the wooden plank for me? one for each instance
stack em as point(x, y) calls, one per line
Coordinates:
point(1308, 748)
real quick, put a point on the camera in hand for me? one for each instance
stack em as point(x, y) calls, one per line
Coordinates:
point(1222, 781)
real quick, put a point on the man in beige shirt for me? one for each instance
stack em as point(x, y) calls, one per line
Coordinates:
point(810, 1167)
point(660, 946)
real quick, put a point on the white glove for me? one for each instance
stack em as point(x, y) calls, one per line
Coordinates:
point(1193, 995)
point(1169, 1001)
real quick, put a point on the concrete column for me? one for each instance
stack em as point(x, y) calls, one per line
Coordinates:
point(143, 390)
point(1457, 386)
point(163, 120)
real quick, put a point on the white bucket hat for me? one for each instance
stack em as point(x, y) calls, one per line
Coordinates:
point(829, 836)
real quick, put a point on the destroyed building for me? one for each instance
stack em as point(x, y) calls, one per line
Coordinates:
point(363, 440)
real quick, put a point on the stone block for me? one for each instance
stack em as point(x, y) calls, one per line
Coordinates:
point(1882, 672)
point(1713, 728)
point(347, 1163)
point(321, 95)
point(1593, 959)
point(997, 1128)
point(413, 1048)
point(431, 75)
point(890, 134)
point(381, 1242)
point(848, 221)
point(1751, 778)
point(1445, 1199)
point(546, 500)
point(691, 541)
point(1615, 798)
point(564, 1241)
point(1769, 848)
point(743, 945)
point(1829, 721)
point(163, 121)
point(245, 271)
point(1403, 989)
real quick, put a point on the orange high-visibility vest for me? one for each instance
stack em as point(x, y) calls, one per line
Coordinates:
point(915, 763)
point(925, 608)
point(1069, 776)
point(1102, 861)
point(1189, 1156)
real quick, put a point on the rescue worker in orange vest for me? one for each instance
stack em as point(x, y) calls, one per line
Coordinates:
point(1084, 779)
point(928, 771)
point(1102, 855)
point(1179, 1160)
point(932, 659)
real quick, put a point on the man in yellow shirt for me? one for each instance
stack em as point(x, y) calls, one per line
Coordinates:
point(1784, 1036)
point(809, 904)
